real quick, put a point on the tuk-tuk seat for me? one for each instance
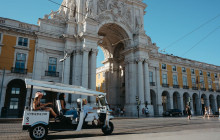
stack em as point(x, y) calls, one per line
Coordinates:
point(59, 108)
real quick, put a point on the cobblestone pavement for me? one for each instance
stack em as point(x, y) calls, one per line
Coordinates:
point(123, 127)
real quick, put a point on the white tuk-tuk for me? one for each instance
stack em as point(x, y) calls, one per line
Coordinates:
point(38, 122)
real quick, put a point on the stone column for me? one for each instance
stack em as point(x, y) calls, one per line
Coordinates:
point(147, 88)
point(78, 67)
point(93, 73)
point(85, 71)
point(171, 101)
point(127, 93)
point(215, 105)
point(66, 71)
point(140, 82)
point(159, 98)
point(181, 103)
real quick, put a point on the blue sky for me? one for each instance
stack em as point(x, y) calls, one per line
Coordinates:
point(166, 21)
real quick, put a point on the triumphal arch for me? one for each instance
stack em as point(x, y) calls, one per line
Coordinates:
point(79, 27)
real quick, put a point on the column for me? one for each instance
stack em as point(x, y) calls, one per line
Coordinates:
point(85, 71)
point(215, 105)
point(181, 103)
point(171, 101)
point(159, 98)
point(73, 67)
point(66, 71)
point(147, 89)
point(93, 73)
point(140, 82)
point(77, 68)
point(127, 94)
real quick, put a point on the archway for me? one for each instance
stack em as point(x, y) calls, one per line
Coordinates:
point(186, 99)
point(218, 101)
point(204, 102)
point(196, 104)
point(15, 99)
point(153, 101)
point(166, 100)
point(212, 103)
point(113, 45)
point(176, 101)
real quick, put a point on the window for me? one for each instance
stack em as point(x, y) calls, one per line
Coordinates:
point(103, 74)
point(201, 83)
point(200, 72)
point(208, 74)
point(183, 69)
point(13, 103)
point(175, 82)
point(185, 81)
point(99, 76)
point(174, 68)
point(23, 41)
point(164, 66)
point(164, 78)
point(192, 71)
point(151, 76)
point(20, 61)
point(15, 91)
point(52, 66)
point(194, 82)
point(210, 84)
point(216, 76)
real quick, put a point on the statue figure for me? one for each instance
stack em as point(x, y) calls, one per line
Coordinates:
point(72, 7)
point(89, 7)
point(101, 5)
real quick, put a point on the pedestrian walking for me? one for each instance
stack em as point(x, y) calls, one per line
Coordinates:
point(188, 112)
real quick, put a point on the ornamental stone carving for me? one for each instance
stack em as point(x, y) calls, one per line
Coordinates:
point(89, 7)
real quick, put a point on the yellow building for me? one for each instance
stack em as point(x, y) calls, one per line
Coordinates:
point(17, 50)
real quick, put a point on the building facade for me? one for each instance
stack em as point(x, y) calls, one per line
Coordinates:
point(174, 83)
point(17, 50)
point(132, 65)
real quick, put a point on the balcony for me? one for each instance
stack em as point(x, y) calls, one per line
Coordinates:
point(218, 90)
point(152, 84)
point(194, 88)
point(18, 70)
point(185, 87)
point(203, 89)
point(52, 73)
point(165, 85)
point(176, 86)
point(210, 89)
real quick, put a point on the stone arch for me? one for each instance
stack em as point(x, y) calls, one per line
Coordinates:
point(154, 101)
point(166, 100)
point(212, 103)
point(186, 97)
point(15, 99)
point(176, 100)
point(204, 102)
point(196, 104)
point(113, 44)
point(218, 101)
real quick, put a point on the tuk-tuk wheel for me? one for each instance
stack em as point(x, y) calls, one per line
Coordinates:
point(108, 130)
point(38, 132)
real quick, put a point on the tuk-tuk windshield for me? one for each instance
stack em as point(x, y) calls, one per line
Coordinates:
point(102, 101)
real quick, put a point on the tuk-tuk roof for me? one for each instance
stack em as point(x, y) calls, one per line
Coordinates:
point(61, 88)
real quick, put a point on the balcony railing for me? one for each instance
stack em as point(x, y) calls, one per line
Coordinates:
point(194, 88)
point(18, 70)
point(185, 87)
point(152, 84)
point(176, 86)
point(52, 73)
point(203, 89)
point(165, 85)
point(218, 90)
point(210, 89)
